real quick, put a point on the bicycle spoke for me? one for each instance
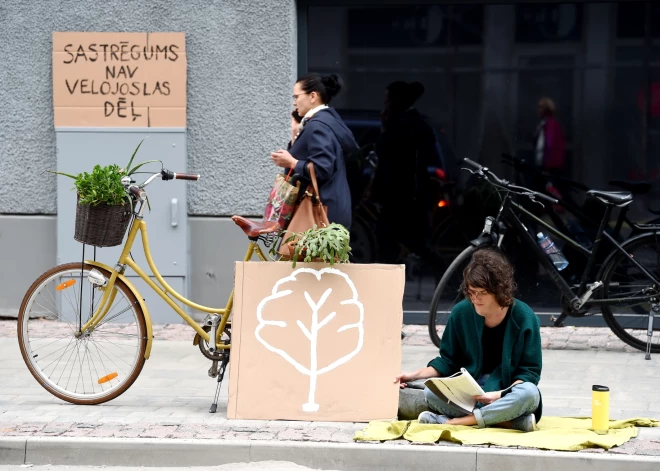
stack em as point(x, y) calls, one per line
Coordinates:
point(105, 369)
point(75, 350)
point(54, 352)
point(89, 361)
point(135, 336)
point(108, 319)
point(118, 347)
point(105, 353)
point(66, 349)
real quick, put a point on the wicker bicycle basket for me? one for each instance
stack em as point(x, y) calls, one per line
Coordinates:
point(102, 225)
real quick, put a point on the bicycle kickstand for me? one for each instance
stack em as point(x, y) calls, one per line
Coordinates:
point(221, 375)
point(649, 333)
point(558, 321)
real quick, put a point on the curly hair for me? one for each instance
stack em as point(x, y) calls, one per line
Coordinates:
point(490, 270)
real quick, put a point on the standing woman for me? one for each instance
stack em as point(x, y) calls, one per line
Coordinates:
point(324, 140)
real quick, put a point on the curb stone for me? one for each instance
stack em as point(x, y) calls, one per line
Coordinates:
point(12, 450)
point(353, 456)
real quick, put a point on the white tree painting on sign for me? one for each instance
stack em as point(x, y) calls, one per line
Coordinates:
point(315, 324)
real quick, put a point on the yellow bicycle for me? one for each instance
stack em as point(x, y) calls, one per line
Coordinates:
point(84, 329)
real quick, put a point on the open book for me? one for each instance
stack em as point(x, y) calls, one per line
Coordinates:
point(457, 389)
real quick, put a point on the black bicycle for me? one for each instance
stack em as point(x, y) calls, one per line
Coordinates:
point(626, 286)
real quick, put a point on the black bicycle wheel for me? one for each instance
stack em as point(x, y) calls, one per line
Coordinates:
point(622, 278)
point(448, 293)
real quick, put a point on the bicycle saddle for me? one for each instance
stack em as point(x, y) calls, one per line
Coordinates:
point(612, 197)
point(636, 188)
point(255, 228)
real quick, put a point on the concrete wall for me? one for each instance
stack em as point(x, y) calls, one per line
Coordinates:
point(215, 245)
point(241, 68)
point(27, 249)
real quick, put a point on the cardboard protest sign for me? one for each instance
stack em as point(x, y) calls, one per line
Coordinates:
point(119, 79)
point(315, 343)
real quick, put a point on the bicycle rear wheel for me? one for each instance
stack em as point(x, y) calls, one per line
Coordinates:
point(448, 293)
point(621, 278)
point(88, 368)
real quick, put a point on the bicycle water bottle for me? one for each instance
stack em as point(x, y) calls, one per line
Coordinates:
point(551, 250)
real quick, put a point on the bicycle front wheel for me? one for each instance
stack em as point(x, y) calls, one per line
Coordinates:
point(82, 368)
point(448, 293)
point(623, 279)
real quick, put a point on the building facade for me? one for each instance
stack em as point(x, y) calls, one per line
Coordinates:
point(483, 65)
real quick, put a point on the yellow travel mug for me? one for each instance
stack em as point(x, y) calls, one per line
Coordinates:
point(600, 409)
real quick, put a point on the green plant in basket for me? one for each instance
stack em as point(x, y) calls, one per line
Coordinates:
point(103, 185)
point(104, 208)
point(329, 244)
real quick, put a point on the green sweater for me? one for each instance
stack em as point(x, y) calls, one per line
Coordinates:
point(521, 350)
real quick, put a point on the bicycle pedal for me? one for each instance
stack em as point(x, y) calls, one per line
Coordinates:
point(213, 371)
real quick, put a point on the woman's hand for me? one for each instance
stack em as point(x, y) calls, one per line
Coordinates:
point(403, 379)
point(489, 397)
point(283, 159)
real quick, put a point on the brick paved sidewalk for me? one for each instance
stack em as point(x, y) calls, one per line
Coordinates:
point(552, 338)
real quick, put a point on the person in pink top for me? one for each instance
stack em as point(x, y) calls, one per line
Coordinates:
point(550, 151)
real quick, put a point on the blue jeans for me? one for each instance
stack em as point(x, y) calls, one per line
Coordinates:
point(521, 401)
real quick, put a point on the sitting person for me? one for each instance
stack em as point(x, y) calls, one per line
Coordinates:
point(497, 339)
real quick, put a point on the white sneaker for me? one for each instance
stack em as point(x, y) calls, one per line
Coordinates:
point(526, 423)
point(428, 417)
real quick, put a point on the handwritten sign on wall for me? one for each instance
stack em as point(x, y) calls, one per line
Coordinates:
point(119, 79)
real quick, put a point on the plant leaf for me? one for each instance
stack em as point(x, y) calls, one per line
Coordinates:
point(62, 173)
point(134, 169)
point(133, 156)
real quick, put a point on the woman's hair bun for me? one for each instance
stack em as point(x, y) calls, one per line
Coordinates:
point(332, 84)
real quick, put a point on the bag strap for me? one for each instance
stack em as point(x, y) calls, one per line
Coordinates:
point(312, 174)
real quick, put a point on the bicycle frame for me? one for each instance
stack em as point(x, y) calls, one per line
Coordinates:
point(567, 204)
point(506, 212)
point(164, 290)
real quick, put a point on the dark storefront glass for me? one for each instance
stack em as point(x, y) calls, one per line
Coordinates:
point(484, 68)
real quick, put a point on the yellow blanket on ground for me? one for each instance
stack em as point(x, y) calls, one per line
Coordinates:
point(554, 433)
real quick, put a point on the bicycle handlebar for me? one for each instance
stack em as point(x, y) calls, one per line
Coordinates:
point(169, 175)
point(136, 191)
point(488, 175)
point(186, 176)
point(164, 174)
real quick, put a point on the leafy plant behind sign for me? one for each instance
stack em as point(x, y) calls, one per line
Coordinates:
point(329, 244)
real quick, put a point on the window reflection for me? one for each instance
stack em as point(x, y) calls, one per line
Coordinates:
point(483, 70)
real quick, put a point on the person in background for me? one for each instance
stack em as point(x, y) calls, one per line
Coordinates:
point(497, 339)
point(550, 149)
point(406, 149)
point(322, 139)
